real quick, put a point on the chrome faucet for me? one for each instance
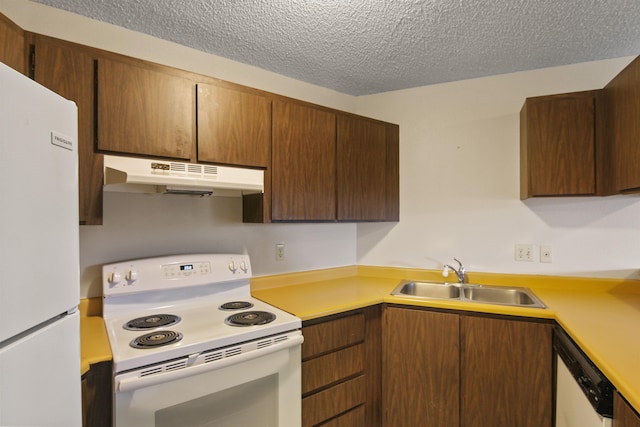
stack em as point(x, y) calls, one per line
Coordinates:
point(460, 271)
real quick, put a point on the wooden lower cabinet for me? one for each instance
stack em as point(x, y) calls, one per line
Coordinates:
point(97, 396)
point(420, 365)
point(623, 414)
point(506, 371)
point(341, 370)
point(449, 369)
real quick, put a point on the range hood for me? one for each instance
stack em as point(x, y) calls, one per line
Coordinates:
point(135, 175)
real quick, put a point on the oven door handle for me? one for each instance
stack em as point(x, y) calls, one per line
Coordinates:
point(131, 380)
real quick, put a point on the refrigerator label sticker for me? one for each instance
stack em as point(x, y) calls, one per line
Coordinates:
point(61, 140)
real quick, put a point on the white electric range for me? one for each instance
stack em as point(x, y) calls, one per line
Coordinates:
point(176, 321)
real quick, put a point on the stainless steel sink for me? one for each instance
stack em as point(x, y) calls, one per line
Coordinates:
point(485, 294)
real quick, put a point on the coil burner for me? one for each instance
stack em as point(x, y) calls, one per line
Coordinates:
point(235, 305)
point(156, 339)
point(151, 322)
point(250, 318)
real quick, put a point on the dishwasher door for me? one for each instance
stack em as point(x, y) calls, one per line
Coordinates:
point(573, 409)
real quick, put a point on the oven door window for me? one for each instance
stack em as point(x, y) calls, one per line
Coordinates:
point(227, 408)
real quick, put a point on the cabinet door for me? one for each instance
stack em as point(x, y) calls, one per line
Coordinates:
point(623, 110)
point(623, 414)
point(12, 45)
point(234, 127)
point(144, 110)
point(361, 169)
point(392, 173)
point(303, 163)
point(506, 373)
point(557, 146)
point(420, 368)
point(68, 69)
point(97, 401)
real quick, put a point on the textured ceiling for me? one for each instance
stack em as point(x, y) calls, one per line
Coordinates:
point(369, 46)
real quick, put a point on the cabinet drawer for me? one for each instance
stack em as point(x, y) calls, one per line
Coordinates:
point(353, 418)
point(332, 367)
point(333, 401)
point(324, 337)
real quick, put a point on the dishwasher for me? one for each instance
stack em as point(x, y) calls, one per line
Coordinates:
point(584, 396)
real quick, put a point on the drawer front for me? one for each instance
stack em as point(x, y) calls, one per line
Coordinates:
point(324, 337)
point(330, 368)
point(333, 401)
point(354, 418)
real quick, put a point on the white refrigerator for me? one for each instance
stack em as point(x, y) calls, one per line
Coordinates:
point(39, 256)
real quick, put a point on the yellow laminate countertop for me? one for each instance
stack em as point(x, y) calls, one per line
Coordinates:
point(94, 344)
point(601, 315)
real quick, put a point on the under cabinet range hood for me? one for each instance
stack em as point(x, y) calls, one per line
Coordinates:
point(136, 175)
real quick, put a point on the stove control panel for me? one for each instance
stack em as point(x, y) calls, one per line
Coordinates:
point(175, 271)
point(172, 272)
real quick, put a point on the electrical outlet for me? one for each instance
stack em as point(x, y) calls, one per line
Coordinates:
point(545, 253)
point(280, 252)
point(524, 252)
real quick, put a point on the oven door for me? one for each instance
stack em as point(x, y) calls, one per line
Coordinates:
point(237, 385)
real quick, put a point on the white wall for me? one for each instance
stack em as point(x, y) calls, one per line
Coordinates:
point(458, 168)
point(459, 191)
point(141, 225)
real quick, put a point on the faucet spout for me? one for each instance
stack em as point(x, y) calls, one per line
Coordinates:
point(460, 272)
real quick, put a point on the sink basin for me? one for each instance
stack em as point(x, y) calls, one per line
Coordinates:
point(428, 290)
point(501, 295)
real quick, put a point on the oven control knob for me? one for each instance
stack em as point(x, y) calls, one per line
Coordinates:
point(114, 278)
point(232, 266)
point(243, 266)
point(131, 276)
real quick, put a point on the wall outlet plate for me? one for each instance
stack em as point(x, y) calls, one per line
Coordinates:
point(546, 253)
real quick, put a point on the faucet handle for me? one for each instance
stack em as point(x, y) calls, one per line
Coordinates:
point(445, 271)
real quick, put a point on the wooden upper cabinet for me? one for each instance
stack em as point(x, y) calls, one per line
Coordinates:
point(558, 145)
point(623, 127)
point(234, 127)
point(320, 164)
point(361, 169)
point(12, 45)
point(145, 110)
point(303, 163)
point(392, 173)
point(68, 69)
